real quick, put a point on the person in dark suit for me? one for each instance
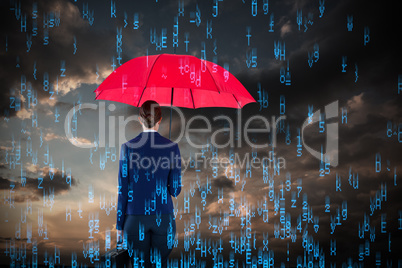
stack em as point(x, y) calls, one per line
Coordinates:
point(149, 174)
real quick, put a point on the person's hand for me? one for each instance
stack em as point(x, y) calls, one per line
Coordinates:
point(119, 236)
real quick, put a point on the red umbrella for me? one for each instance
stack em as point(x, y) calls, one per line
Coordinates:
point(173, 80)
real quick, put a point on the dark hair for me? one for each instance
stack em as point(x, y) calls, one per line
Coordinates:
point(150, 113)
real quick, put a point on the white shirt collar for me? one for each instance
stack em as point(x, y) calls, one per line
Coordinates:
point(149, 130)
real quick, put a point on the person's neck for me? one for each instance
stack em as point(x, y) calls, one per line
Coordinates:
point(149, 129)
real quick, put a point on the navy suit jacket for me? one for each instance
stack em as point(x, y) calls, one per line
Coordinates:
point(149, 174)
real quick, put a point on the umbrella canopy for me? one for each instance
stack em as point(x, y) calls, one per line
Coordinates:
point(179, 80)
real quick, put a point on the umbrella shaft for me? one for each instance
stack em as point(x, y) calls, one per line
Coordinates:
point(170, 123)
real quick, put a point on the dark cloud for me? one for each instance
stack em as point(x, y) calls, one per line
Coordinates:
point(56, 182)
point(10, 238)
point(33, 188)
point(4, 183)
point(222, 182)
point(94, 49)
point(325, 82)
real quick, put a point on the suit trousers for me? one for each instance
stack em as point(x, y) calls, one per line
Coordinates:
point(150, 238)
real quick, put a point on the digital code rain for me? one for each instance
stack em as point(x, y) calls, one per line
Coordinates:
point(287, 117)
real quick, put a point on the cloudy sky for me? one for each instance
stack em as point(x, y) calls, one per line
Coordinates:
point(54, 54)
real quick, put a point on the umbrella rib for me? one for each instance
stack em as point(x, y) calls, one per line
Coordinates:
point(150, 71)
point(141, 97)
point(98, 94)
point(206, 67)
point(192, 98)
point(236, 100)
point(146, 83)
